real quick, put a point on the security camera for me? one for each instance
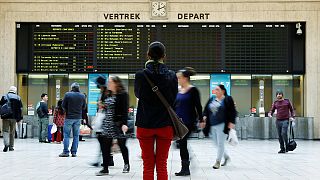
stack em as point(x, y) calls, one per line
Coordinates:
point(299, 31)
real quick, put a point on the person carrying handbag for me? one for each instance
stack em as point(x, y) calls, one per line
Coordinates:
point(58, 119)
point(220, 113)
point(114, 125)
point(154, 124)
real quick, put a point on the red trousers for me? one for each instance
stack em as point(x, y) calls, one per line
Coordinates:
point(155, 157)
point(57, 136)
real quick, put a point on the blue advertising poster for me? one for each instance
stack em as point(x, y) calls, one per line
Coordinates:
point(216, 79)
point(94, 94)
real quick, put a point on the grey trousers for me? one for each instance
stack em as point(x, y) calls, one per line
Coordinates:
point(9, 129)
point(282, 127)
point(43, 129)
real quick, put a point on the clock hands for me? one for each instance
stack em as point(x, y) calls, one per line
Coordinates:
point(161, 7)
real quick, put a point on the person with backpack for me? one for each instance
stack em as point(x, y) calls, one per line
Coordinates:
point(11, 112)
point(220, 112)
point(43, 115)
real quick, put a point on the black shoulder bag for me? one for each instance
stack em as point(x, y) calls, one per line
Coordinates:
point(180, 129)
point(6, 109)
point(292, 143)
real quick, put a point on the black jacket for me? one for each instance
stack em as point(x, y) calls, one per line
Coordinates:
point(151, 113)
point(230, 116)
point(121, 109)
point(73, 104)
point(16, 106)
point(44, 109)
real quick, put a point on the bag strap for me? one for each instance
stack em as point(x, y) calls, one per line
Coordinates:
point(8, 100)
point(155, 89)
point(291, 131)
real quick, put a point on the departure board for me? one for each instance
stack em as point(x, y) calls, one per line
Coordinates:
point(122, 47)
point(59, 48)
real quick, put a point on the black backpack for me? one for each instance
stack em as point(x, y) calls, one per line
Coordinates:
point(6, 110)
point(40, 112)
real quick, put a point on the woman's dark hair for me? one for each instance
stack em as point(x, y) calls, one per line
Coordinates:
point(59, 107)
point(223, 88)
point(187, 72)
point(156, 51)
point(119, 85)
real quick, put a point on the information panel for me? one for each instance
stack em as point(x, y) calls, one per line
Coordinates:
point(122, 48)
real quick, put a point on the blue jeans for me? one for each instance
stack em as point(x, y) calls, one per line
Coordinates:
point(219, 138)
point(74, 125)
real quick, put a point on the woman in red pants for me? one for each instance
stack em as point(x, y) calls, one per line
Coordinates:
point(58, 119)
point(153, 120)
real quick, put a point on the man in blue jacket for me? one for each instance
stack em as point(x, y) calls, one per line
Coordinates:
point(73, 103)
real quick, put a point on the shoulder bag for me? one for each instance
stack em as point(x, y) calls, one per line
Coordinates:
point(180, 129)
point(292, 145)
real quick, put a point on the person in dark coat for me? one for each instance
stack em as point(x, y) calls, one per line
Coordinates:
point(9, 121)
point(114, 125)
point(154, 126)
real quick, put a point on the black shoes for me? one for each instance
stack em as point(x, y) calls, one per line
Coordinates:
point(11, 149)
point(185, 171)
point(102, 172)
point(5, 149)
point(73, 155)
point(126, 168)
point(282, 151)
point(63, 155)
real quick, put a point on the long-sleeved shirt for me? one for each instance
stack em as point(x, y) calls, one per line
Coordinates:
point(188, 106)
point(284, 109)
point(74, 103)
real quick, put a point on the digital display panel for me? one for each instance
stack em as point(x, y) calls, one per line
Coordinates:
point(122, 47)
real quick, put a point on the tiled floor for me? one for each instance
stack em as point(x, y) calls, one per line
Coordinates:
point(252, 159)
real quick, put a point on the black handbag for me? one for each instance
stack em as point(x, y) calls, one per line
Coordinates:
point(180, 129)
point(292, 145)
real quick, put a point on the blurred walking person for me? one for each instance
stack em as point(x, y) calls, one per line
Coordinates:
point(188, 108)
point(220, 113)
point(114, 125)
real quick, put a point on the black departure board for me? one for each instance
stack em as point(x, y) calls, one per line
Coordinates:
point(122, 47)
point(58, 48)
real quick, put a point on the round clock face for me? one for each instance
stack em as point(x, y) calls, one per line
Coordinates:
point(159, 9)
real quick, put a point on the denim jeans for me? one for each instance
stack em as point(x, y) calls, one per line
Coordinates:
point(219, 137)
point(74, 125)
point(282, 127)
